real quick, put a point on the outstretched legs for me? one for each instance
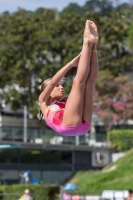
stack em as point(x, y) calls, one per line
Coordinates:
point(90, 86)
point(73, 113)
point(90, 82)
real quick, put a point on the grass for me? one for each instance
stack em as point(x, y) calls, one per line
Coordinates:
point(119, 178)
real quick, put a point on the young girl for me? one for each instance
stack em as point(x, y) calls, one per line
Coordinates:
point(73, 117)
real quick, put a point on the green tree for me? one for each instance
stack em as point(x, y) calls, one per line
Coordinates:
point(130, 37)
point(35, 45)
point(22, 54)
point(103, 7)
point(114, 53)
point(72, 7)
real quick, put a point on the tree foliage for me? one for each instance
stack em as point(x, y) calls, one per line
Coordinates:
point(72, 7)
point(34, 45)
point(104, 7)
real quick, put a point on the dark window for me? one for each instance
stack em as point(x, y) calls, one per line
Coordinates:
point(66, 157)
point(58, 157)
point(100, 129)
point(8, 155)
point(30, 156)
point(82, 158)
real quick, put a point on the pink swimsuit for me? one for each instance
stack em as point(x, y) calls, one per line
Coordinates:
point(54, 119)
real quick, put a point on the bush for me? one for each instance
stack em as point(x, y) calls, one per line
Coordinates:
point(39, 192)
point(122, 140)
point(1, 194)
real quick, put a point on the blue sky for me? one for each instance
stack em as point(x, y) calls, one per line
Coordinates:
point(13, 5)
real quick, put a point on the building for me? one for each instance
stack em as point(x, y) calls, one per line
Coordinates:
point(26, 146)
point(48, 163)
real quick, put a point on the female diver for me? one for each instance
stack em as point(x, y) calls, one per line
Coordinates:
point(73, 117)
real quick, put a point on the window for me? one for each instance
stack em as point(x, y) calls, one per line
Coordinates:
point(30, 156)
point(57, 157)
point(8, 155)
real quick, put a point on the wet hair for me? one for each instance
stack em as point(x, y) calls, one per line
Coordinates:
point(43, 86)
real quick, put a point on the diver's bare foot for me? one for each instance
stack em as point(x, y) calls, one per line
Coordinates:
point(90, 33)
point(93, 30)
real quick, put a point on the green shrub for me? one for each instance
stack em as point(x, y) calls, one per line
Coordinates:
point(122, 140)
point(39, 192)
point(1, 194)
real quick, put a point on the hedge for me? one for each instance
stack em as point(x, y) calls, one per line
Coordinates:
point(39, 192)
point(122, 140)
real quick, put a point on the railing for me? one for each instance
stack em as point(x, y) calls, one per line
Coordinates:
point(91, 198)
point(104, 195)
point(82, 196)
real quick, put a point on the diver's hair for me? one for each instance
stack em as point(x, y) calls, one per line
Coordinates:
point(43, 86)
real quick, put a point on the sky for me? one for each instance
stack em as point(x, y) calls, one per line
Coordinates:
point(13, 5)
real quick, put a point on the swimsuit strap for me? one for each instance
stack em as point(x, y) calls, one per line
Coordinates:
point(63, 99)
